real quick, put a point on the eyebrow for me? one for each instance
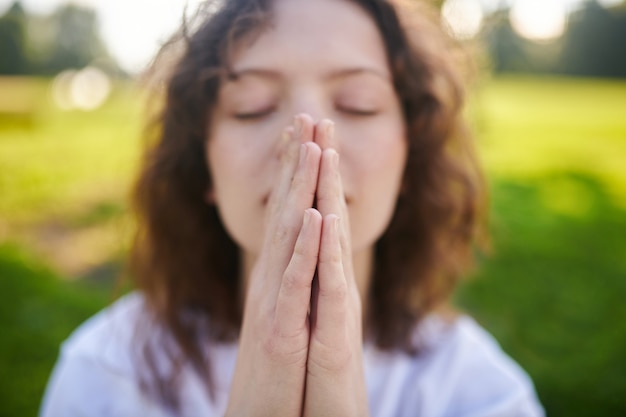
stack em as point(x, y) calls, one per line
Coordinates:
point(332, 75)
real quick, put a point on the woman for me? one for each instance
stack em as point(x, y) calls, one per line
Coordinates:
point(305, 211)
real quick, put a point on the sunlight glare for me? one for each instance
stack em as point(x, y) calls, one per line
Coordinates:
point(539, 20)
point(86, 89)
point(463, 17)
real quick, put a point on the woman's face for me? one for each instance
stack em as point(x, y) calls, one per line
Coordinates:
point(325, 58)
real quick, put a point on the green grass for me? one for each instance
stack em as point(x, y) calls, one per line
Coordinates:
point(61, 157)
point(551, 292)
point(530, 126)
point(38, 311)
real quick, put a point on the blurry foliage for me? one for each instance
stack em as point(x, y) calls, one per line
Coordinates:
point(595, 44)
point(592, 45)
point(13, 60)
point(505, 47)
point(75, 42)
point(46, 45)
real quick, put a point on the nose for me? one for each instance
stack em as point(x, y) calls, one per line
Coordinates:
point(308, 104)
point(310, 101)
point(314, 104)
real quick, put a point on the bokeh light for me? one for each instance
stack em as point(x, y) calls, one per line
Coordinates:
point(464, 18)
point(86, 89)
point(539, 20)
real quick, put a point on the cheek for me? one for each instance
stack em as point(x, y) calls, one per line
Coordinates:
point(377, 150)
point(225, 165)
point(241, 165)
point(237, 156)
point(373, 172)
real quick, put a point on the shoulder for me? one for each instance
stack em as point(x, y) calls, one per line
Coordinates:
point(96, 364)
point(460, 371)
point(108, 336)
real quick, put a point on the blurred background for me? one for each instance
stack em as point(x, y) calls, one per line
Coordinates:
point(548, 107)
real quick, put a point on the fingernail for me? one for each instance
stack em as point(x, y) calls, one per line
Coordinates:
point(336, 159)
point(283, 145)
point(286, 136)
point(330, 129)
point(303, 152)
point(336, 225)
point(297, 124)
point(307, 218)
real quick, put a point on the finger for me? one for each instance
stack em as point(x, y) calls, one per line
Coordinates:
point(300, 132)
point(330, 195)
point(332, 297)
point(304, 127)
point(299, 197)
point(331, 200)
point(294, 193)
point(288, 151)
point(292, 303)
point(324, 134)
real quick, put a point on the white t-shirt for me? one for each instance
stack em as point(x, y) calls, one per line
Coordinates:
point(462, 373)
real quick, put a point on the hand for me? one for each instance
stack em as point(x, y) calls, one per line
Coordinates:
point(294, 336)
point(269, 377)
point(335, 380)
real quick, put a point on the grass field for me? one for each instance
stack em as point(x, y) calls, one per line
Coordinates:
point(551, 291)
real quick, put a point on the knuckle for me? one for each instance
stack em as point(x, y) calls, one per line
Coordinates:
point(298, 181)
point(333, 261)
point(327, 359)
point(293, 281)
point(281, 234)
point(284, 349)
point(301, 250)
point(323, 197)
point(336, 290)
point(271, 348)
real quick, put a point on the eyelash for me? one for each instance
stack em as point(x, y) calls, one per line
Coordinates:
point(358, 113)
point(255, 115)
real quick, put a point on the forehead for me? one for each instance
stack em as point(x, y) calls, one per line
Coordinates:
point(308, 37)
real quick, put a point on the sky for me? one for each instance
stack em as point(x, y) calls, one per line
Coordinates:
point(134, 29)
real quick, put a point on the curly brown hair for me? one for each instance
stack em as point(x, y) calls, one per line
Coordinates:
point(184, 261)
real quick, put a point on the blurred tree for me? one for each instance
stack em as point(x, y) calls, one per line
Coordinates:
point(595, 42)
point(13, 58)
point(46, 45)
point(75, 41)
point(506, 48)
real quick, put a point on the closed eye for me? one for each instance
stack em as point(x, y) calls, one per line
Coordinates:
point(255, 114)
point(358, 112)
